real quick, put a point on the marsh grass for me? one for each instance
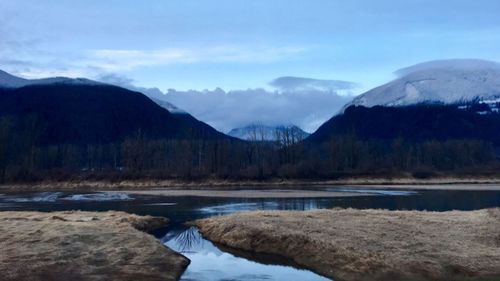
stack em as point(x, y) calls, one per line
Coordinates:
point(75, 246)
point(349, 244)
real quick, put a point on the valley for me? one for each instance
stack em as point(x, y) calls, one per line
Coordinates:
point(269, 140)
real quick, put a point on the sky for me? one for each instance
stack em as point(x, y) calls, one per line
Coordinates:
point(238, 45)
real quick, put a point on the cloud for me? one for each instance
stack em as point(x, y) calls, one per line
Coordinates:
point(301, 101)
point(128, 83)
point(306, 107)
point(120, 60)
point(116, 79)
point(290, 83)
point(227, 110)
point(462, 64)
point(32, 61)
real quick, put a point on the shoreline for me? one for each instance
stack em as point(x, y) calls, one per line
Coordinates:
point(477, 184)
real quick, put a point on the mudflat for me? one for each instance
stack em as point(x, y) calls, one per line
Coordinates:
point(349, 244)
point(77, 246)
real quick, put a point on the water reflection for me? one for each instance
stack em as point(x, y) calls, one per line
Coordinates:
point(185, 240)
point(237, 207)
point(210, 263)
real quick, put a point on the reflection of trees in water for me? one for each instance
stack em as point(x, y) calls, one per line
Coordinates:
point(188, 239)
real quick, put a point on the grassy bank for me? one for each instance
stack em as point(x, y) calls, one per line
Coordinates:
point(348, 244)
point(84, 246)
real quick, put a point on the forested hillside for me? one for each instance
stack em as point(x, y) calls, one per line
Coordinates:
point(64, 131)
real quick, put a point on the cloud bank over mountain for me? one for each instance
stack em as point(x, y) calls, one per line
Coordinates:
point(304, 102)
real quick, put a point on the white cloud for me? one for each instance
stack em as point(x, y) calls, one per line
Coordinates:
point(119, 60)
point(289, 83)
point(34, 63)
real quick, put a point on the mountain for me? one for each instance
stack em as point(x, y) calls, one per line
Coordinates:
point(81, 111)
point(413, 123)
point(266, 133)
point(10, 81)
point(445, 81)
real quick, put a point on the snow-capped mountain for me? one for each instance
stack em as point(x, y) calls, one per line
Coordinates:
point(10, 81)
point(267, 133)
point(445, 81)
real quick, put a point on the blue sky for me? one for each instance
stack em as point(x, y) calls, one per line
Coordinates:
point(241, 44)
point(237, 44)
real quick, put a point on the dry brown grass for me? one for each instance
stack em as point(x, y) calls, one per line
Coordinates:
point(84, 246)
point(348, 244)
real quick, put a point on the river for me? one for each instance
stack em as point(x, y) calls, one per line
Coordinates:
point(212, 262)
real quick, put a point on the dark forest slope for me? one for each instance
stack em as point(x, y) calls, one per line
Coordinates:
point(413, 123)
point(86, 114)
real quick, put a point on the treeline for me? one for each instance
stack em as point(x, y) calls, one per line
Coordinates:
point(349, 155)
point(22, 158)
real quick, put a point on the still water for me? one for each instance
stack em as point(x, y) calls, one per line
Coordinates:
point(213, 262)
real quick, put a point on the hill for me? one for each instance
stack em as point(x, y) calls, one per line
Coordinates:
point(93, 113)
point(414, 123)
